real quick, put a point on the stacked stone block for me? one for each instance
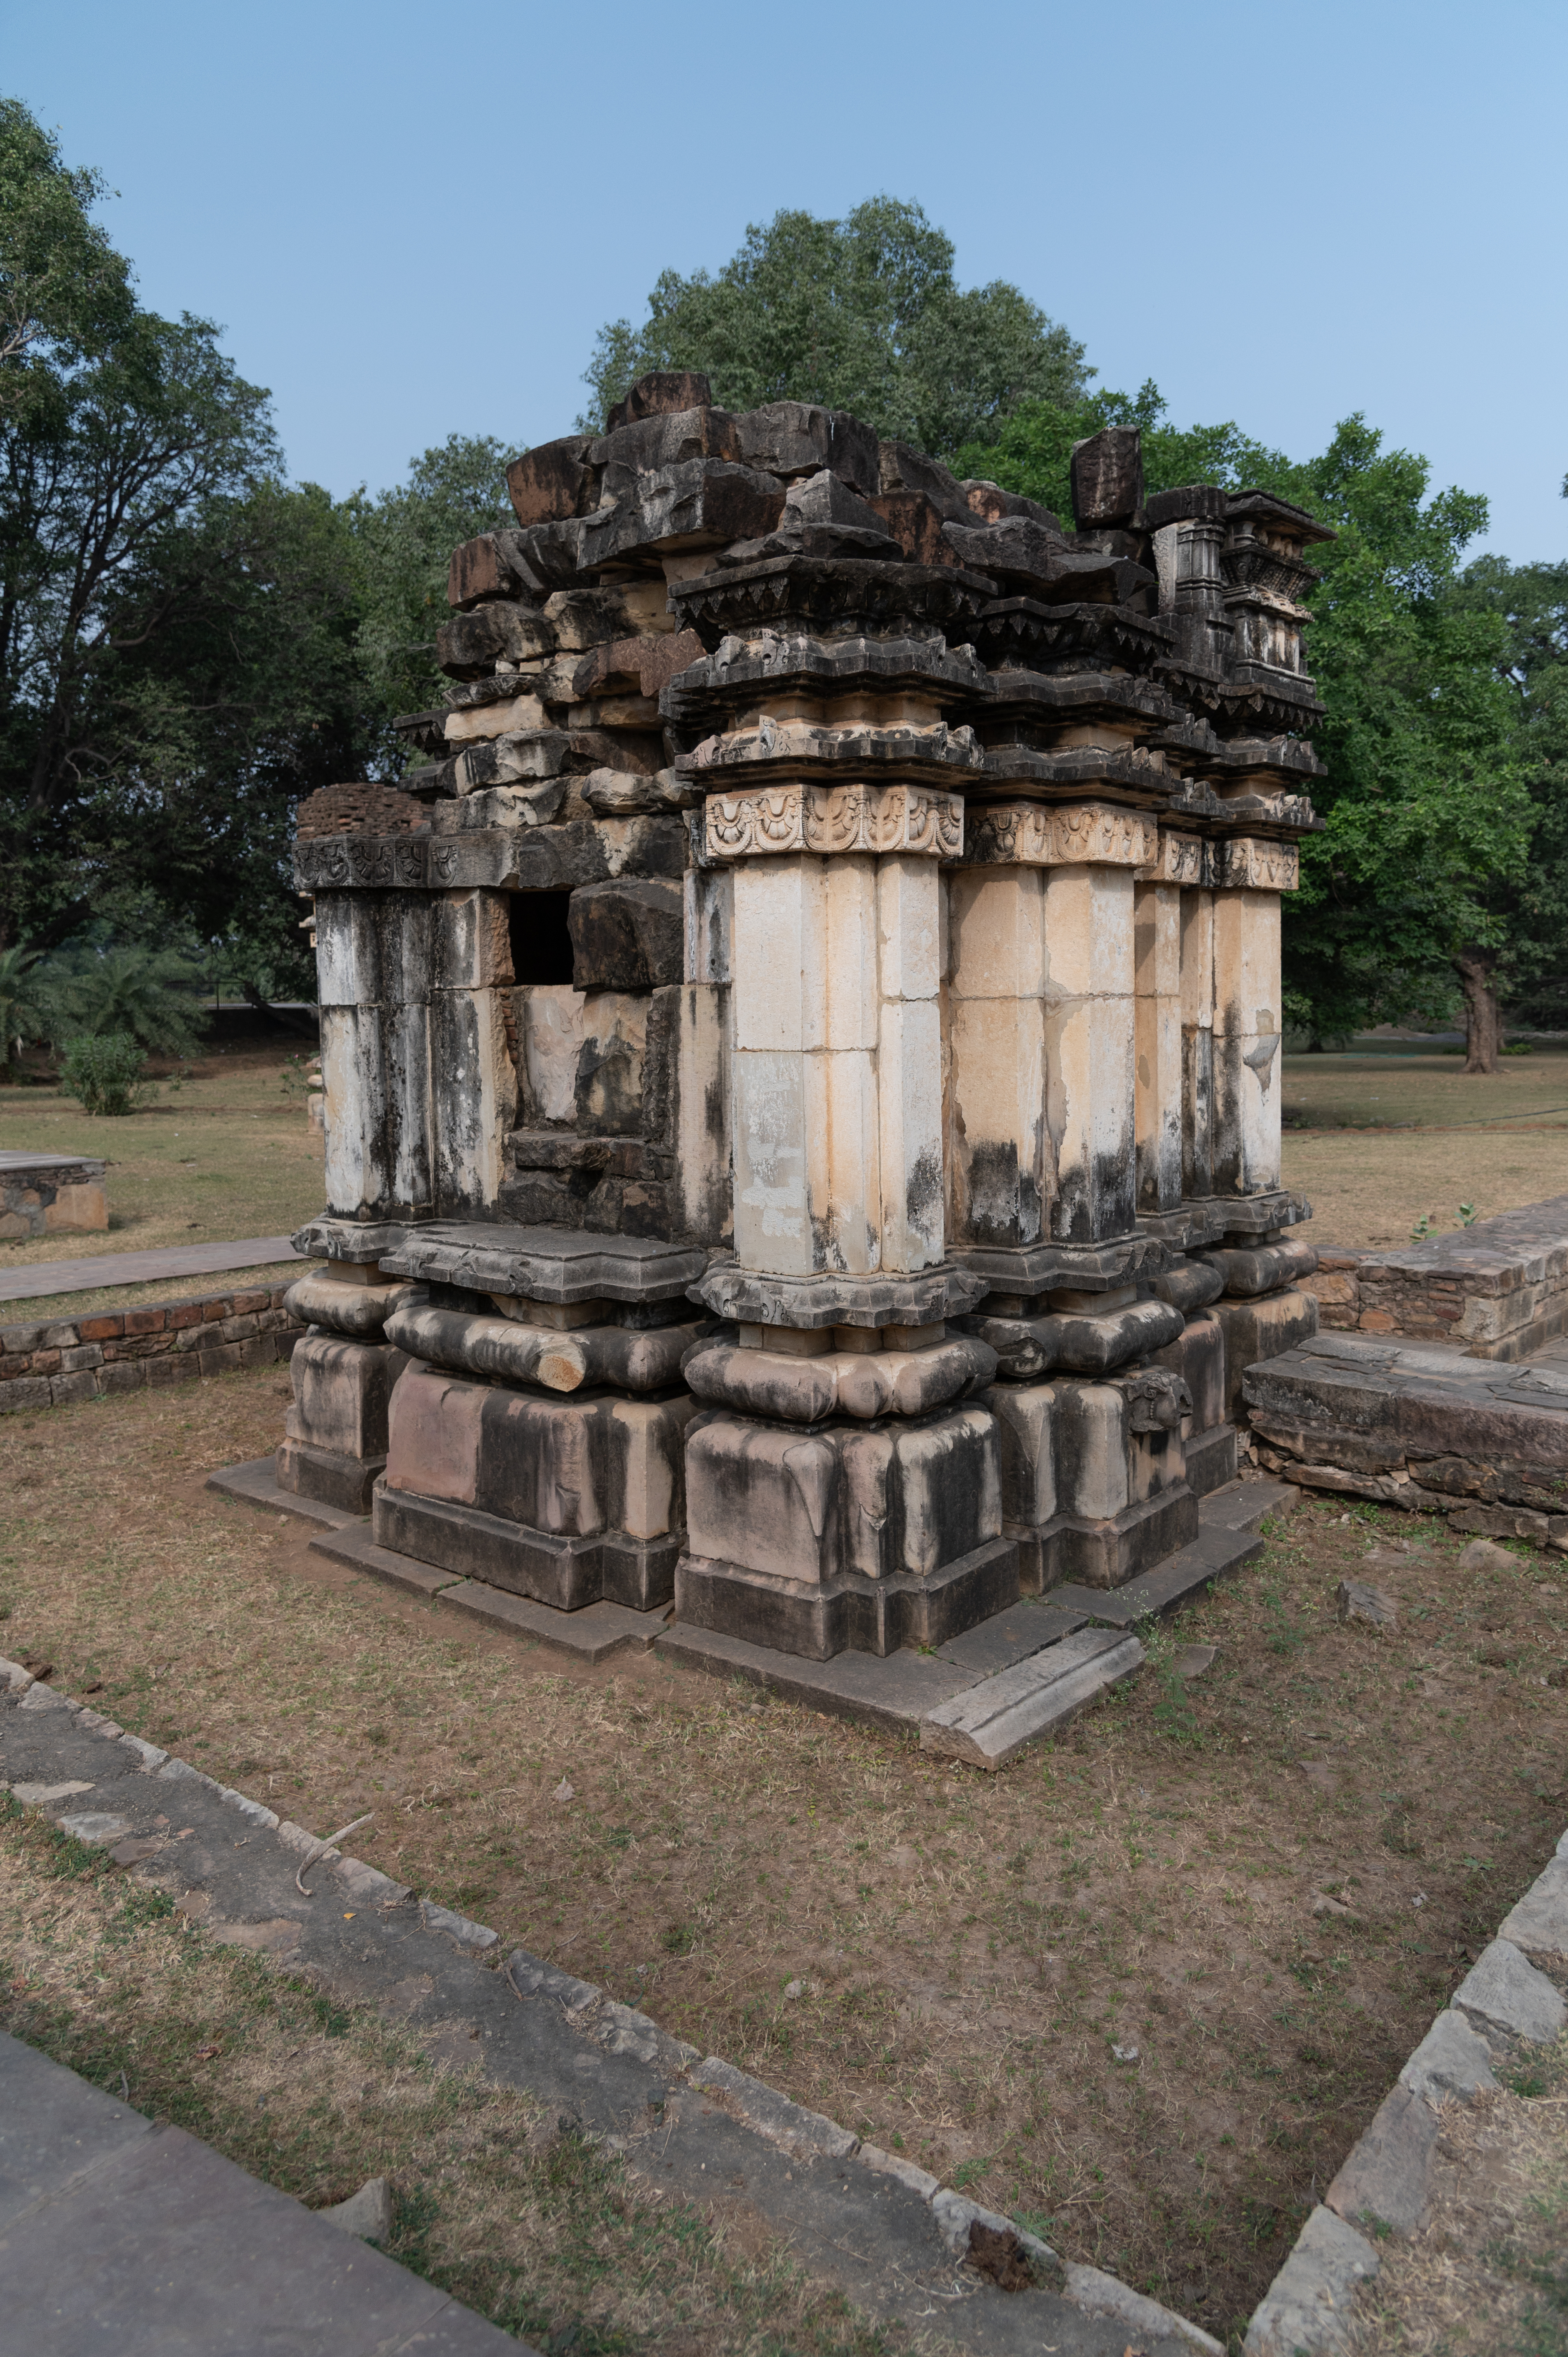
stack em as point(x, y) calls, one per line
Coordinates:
point(846, 908)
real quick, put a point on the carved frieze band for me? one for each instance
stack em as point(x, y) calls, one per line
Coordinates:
point(1179, 860)
point(346, 862)
point(1256, 861)
point(1056, 835)
point(770, 819)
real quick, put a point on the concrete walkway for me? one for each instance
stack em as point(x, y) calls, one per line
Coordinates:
point(117, 2234)
point(47, 1278)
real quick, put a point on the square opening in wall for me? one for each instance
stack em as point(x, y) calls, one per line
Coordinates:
point(541, 940)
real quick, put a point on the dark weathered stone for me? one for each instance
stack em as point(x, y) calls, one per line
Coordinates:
point(1107, 474)
point(795, 437)
point(470, 645)
point(818, 1621)
point(549, 481)
point(703, 504)
point(902, 467)
point(626, 936)
point(478, 570)
point(662, 392)
point(989, 503)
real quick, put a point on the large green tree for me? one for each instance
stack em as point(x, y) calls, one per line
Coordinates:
point(1408, 892)
point(177, 623)
point(861, 314)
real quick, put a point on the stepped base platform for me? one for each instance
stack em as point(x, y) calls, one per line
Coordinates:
point(979, 1697)
point(1421, 1426)
point(256, 1484)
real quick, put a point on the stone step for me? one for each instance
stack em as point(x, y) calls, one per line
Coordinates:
point(1215, 1554)
point(988, 1723)
point(1246, 1505)
point(255, 1484)
point(893, 1691)
point(590, 1635)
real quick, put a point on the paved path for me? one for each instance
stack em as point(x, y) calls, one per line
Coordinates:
point(41, 1277)
point(888, 2235)
point(117, 2234)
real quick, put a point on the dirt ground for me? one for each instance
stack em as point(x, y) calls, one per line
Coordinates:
point(1380, 1140)
point(1140, 1991)
point(226, 1152)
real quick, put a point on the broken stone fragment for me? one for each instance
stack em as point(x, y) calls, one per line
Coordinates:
point(1021, 552)
point(581, 619)
point(796, 437)
point(477, 570)
point(652, 445)
point(471, 645)
point(550, 481)
point(621, 793)
point(1357, 1599)
point(1483, 1554)
point(989, 503)
point(661, 393)
point(914, 520)
point(901, 467)
point(1199, 503)
point(705, 503)
point(1107, 476)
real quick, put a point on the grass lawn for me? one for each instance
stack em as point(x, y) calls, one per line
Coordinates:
point(1261, 1886)
point(227, 1152)
point(1377, 1140)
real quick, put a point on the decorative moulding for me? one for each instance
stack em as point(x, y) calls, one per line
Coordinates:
point(829, 818)
point(1075, 834)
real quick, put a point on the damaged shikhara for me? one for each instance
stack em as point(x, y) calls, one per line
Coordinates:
point(802, 1060)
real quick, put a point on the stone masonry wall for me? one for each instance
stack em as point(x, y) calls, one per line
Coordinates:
point(52, 1363)
point(1499, 1289)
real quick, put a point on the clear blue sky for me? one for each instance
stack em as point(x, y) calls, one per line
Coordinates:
point(411, 221)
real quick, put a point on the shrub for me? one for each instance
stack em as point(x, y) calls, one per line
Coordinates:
point(103, 1072)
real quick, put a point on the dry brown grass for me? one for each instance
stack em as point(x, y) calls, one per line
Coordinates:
point(1376, 1141)
point(228, 1153)
point(535, 2228)
point(968, 1951)
point(1488, 2272)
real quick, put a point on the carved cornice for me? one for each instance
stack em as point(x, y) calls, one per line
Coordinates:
point(1058, 834)
point(829, 819)
point(1178, 860)
point(1253, 861)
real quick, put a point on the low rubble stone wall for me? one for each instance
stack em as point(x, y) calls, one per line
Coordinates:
point(1499, 1289)
point(51, 1362)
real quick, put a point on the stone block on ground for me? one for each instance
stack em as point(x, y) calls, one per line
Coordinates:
point(990, 1723)
point(1308, 2309)
point(1358, 1600)
point(1385, 2179)
point(256, 1484)
point(1450, 2061)
point(1503, 1990)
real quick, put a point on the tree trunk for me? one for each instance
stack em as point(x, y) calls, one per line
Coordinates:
point(1483, 1016)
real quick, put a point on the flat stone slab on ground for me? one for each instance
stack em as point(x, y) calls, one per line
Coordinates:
point(256, 1484)
point(1008, 1637)
point(1503, 1989)
point(1385, 2179)
point(892, 1691)
point(590, 1635)
point(1213, 1555)
point(1306, 2310)
point(1357, 1599)
point(85, 1275)
point(127, 2236)
point(991, 1721)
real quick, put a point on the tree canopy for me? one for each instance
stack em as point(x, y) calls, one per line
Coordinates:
point(861, 314)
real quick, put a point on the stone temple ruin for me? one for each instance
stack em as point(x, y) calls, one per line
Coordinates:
point(802, 1059)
